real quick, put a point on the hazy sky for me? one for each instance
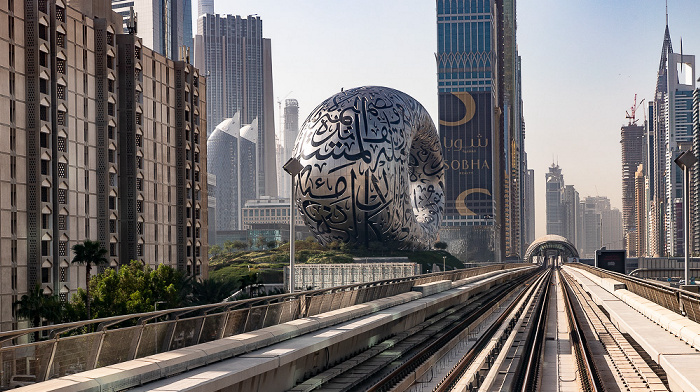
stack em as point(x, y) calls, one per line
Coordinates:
point(582, 62)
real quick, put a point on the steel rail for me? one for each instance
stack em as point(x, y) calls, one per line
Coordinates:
point(590, 381)
point(453, 377)
point(535, 342)
point(411, 364)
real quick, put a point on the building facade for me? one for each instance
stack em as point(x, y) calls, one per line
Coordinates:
point(632, 144)
point(289, 136)
point(471, 127)
point(232, 158)
point(103, 145)
point(237, 60)
point(555, 211)
point(163, 26)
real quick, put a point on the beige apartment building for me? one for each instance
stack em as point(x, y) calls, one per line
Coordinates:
point(100, 140)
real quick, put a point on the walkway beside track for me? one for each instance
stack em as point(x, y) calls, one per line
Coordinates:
point(559, 369)
point(670, 339)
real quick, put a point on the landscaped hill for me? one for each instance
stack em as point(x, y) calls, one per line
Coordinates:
point(230, 263)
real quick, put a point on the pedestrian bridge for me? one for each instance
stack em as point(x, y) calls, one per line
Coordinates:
point(316, 339)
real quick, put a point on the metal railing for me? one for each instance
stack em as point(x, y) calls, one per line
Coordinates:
point(680, 301)
point(85, 345)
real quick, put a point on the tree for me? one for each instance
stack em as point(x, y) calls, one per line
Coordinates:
point(440, 245)
point(89, 253)
point(272, 244)
point(35, 305)
point(135, 288)
point(210, 291)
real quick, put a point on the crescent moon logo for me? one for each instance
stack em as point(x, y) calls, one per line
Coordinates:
point(469, 106)
point(461, 206)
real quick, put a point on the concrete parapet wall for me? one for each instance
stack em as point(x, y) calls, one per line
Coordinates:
point(276, 357)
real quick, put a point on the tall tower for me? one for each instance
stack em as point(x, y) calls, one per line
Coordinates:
point(164, 25)
point(289, 136)
point(555, 187)
point(470, 126)
point(232, 53)
point(632, 144)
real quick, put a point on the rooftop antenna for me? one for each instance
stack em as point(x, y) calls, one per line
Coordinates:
point(666, 12)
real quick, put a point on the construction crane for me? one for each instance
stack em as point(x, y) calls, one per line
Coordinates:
point(631, 115)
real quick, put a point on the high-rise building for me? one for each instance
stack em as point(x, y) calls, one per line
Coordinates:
point(164, 26)
point(555, 187)
point(637, 239)
point(205, 7)
point(670, 131)
point(289, 136)
point(570, 203)
point(694, 191)
point(632, 144)
point(237, 60)
point(470, 72)
point(601, 226)
point(103, 145)
point(529, 208)
point(232, 158)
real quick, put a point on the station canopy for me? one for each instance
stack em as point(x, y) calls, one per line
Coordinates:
point(540, 246)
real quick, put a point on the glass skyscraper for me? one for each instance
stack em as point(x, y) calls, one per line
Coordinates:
point(469, 119)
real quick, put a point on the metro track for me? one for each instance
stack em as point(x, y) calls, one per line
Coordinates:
point(539, 332)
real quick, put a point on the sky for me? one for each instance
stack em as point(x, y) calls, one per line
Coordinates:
point(582, 64)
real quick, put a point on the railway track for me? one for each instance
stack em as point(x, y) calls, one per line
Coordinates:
point(540, 332)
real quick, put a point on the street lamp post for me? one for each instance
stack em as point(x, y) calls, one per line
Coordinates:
point(293, 167)
point(443, 263)
point(685, 161)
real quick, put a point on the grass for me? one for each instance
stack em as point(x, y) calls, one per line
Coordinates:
point(270, 263)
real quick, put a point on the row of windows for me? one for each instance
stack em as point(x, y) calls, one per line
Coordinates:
point(266, 212)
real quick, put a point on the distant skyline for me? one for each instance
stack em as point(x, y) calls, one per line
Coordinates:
point(582, 64)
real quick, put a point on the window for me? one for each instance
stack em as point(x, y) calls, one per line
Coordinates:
point(63, 169)
point(46, 248)
point(139, 184)
point(113, 181)
point(64, 274)
point(139, 206)
point(45, 167)
point(62, 222)
point(43, 57)
point(45, 194)
point(112, 202)
point(110, 38)
point(44, 113)
point(139, 228)
point(62, 144)
point(139, 138)
point(63, 196)
point(44, 140)
point(60, 40)
point(61, 66)
point(110, 62)
point(63, 248)
point(110, 85)
point(60, 14)
point(112, 226)
point(110, 108)
point(113, 249)
point(61, 91)
point(110, 132)
point(45, 273)
point(43, 32)
point(61, 118)
point(111, 156)
point(139, 250)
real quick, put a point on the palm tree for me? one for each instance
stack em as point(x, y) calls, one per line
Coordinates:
point(35, 305)
point(89, 253)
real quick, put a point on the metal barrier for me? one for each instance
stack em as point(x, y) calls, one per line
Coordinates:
point(680, 301)
point(71, 348)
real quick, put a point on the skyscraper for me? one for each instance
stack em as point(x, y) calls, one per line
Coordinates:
point(164, 25)
point(104, 144)
point(233, 159)
point(237, 60)
point(632, 144)
point(469, 62)
point(529, 208)
point(289, 136)
point(555, 211)
point(671, 133)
